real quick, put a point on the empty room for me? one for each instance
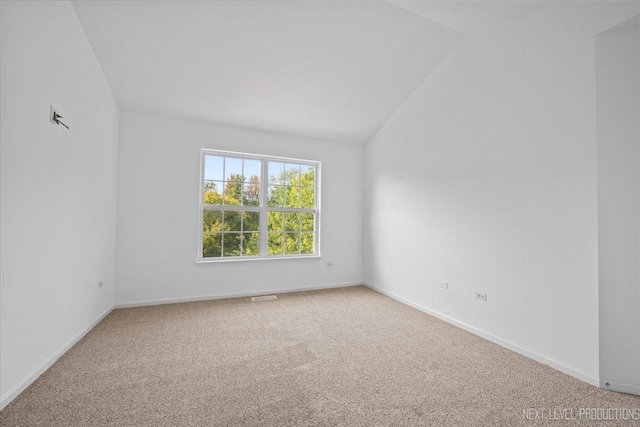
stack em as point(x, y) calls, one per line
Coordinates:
point(320, 213)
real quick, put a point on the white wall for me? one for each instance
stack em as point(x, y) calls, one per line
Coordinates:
point(618, 101)
point(486, 178)
point(58, 188)
point(158, 213)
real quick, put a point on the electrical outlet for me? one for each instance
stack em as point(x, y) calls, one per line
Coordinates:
point(329, 264)
point(481, 297)
point(444, 285)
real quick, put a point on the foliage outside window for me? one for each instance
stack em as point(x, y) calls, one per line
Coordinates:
point(257, 206)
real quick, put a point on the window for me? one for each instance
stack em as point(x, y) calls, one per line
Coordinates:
point(254, 206)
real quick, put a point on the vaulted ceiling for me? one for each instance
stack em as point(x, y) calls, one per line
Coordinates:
point(324, 69)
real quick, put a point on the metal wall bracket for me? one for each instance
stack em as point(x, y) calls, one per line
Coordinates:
point(54, 117)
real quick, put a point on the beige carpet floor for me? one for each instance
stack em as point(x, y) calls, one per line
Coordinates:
point(347, 357)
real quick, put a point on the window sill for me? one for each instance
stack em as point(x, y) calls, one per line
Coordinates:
point(230, 259)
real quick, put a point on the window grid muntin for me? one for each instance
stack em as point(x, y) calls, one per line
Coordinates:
point(264, 182)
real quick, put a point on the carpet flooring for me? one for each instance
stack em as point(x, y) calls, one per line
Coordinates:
point(338, 357)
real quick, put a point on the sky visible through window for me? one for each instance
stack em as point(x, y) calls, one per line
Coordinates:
point(218, 168)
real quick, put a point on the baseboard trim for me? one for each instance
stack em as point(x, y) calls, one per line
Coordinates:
point(234, 295)
point(620, 386)
point(555, 364)
point(613, 385)
point(19, 388)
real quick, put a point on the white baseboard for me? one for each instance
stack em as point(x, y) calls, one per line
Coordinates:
point(614, 385)
point(234, 295)
point(502, 342)
point(620, 386)
point(20, 387)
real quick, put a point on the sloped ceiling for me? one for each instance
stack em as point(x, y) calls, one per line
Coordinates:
point(326, 69)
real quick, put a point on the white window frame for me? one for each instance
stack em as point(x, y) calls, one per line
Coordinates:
point(262, 208)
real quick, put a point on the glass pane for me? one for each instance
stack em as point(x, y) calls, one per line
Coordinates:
point(213, 168)
point(213, 192)
point(211, 245)
point(251, 221)
point(232, 193)
point(212, 185)
point(306, 243)
point(232, 169)
point(251, 244)
point(275, 221)
point(231, 242)
point(292, 197)
point(307, 197)
point(275, 244)
point(232, 221)
point(251, 170)
point(211, 221)
point(307, 222)
point(291, 243)
point(291, 221)
point(307, 175)
point(276, 173)
point(291, 174)
point(276, 196)
point(251, 194)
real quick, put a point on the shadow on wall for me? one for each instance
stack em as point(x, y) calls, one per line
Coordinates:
point(618, 109)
